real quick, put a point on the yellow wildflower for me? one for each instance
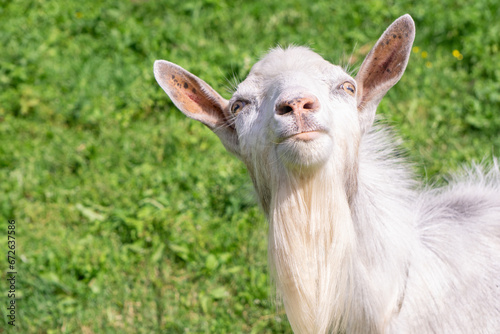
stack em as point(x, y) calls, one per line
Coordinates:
point(424, 54)
point(416, 49)
point(457, 54)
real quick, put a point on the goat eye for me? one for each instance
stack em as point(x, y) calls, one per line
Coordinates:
point(237, 106)
point(348, 88)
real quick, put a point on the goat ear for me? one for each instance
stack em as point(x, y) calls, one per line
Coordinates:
point(383, 67)
point(197, 100)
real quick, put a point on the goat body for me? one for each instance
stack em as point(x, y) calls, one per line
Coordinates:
point(354, 244)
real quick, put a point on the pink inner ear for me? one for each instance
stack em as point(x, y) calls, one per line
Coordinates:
point(384, 69)
point(386, 62)
point(194, 101)
point(194, 98)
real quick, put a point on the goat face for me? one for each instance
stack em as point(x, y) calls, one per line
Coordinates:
point(295, 109)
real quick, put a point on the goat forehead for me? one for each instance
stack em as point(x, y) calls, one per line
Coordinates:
point(293, 59)
point(284, 67)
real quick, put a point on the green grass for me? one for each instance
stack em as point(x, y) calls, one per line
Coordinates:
point(131, 218)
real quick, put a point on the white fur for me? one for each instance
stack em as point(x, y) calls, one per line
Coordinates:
point(356, 245)
point(395, 259)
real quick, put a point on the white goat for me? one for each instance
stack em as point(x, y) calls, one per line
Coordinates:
point(354, 245)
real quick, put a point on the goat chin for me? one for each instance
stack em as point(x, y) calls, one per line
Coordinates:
point(305, 155)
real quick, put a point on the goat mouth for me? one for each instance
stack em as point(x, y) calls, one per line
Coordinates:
point(305, 136)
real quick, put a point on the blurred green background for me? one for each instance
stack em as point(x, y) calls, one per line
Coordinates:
point(133, 219)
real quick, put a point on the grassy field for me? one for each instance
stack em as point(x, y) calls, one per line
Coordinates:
point(131, 218)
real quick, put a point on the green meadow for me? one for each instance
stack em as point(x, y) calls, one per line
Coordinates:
point(131, 218)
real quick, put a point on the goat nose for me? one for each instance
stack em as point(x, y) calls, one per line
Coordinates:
point(304, 104)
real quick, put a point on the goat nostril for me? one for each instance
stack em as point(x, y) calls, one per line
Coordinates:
point(284, 109)
point(309, 106)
